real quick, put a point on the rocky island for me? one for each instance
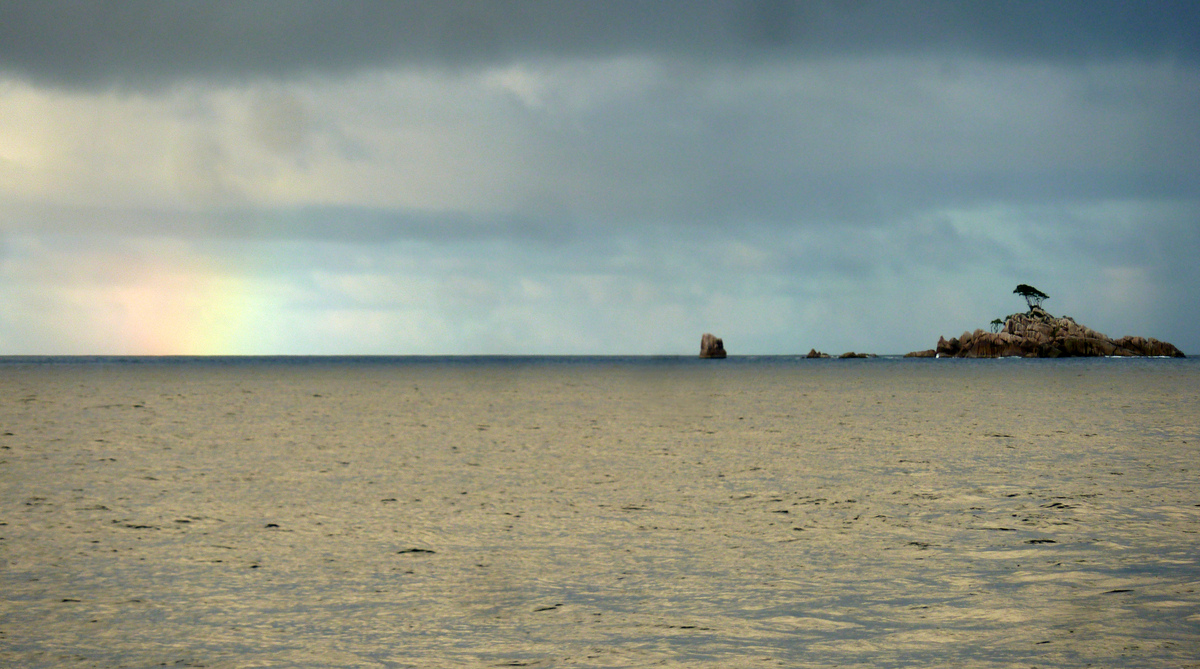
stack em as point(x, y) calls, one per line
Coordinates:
point(1038, 334)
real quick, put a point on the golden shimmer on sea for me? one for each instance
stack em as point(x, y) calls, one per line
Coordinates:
point(599, 512)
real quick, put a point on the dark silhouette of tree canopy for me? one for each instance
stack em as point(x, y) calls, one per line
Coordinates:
point(996, 324)
point(1033, 296)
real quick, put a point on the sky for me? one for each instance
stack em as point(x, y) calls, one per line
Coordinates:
point(578, 177)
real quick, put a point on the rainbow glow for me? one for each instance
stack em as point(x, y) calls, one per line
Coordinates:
point(167, 305)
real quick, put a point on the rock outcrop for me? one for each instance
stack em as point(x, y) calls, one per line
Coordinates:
point(711, 347)
point(814, 353)
point(1037, 334)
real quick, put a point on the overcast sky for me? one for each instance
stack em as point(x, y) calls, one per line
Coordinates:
point(580, 177)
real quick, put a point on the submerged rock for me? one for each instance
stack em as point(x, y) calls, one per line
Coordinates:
point(711, 347)
point(927, 353)
point(1037, 334)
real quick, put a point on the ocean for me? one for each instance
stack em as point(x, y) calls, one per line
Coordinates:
point(599, 512)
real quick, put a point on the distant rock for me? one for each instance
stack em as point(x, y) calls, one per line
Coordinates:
point(814, 353)
point(927, 353)
point(1037, 334)
point(711, 347)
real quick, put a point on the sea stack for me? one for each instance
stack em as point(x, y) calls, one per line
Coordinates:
point(711, 347)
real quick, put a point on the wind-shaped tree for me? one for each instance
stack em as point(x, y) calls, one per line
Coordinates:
point(1033, 296)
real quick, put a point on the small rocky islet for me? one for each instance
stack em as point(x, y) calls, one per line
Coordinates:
point(711, 346)
point(1039, 334)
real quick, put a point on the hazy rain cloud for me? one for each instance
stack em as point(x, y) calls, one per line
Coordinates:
point(578, 177)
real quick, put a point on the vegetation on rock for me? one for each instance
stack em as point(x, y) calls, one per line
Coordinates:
point(1033, 296)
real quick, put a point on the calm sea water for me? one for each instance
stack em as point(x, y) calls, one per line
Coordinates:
point(581, 361)
point(598, 511)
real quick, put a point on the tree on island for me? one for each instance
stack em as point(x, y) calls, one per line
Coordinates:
point(1033, 296)
point(996, 324)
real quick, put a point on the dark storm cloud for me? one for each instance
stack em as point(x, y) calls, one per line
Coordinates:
point(144, 42)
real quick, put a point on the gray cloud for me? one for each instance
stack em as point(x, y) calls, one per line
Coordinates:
point(344, 223)
point(147, 42)
point(598, 149)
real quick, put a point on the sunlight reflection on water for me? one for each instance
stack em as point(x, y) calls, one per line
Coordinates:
point(884, 513)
